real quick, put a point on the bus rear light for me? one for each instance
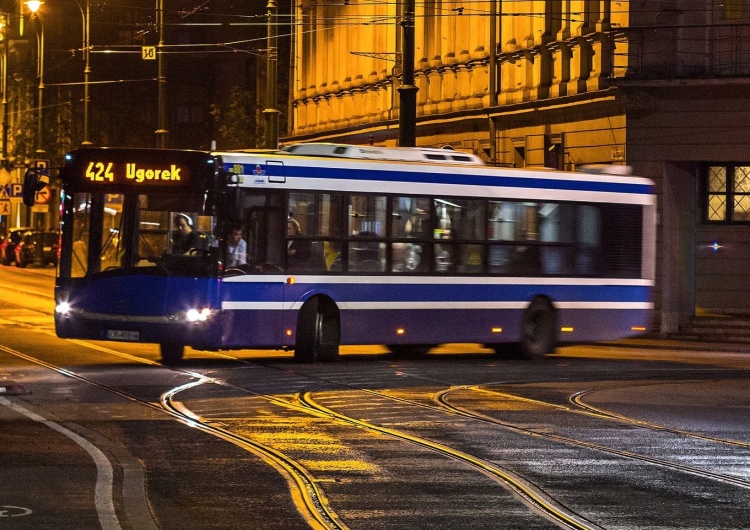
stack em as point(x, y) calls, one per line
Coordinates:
point(290, 280)
point(400, 331)
point(567, 329)
point(497, 330)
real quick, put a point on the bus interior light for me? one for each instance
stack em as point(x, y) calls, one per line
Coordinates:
point(637, 328)
point(567, 329)
point(400, 331)
point(497, 329)
point(289, 333)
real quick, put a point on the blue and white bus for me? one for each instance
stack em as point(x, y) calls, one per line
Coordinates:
point(346, 250)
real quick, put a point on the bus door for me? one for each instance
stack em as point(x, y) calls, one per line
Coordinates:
point(263, 220)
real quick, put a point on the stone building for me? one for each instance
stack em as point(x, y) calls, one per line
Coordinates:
point(660, 86)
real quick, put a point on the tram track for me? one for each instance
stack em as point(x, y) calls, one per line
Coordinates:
point(309, 498)
point(304, 486)
point(441, 398)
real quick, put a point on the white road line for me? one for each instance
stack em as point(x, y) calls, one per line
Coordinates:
point(105, 507)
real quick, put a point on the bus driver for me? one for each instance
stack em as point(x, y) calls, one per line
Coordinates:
point(185, 238)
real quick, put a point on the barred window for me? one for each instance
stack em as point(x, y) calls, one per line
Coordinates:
point(727, 194)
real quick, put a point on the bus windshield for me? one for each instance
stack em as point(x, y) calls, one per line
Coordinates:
point(129, 209)
point(117, 231)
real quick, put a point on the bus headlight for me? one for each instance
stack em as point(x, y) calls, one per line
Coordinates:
point(198, 315)
point(63, 308)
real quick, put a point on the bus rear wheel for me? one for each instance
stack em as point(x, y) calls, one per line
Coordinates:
point(318, 331)
point(171, 353)
point(539, 329)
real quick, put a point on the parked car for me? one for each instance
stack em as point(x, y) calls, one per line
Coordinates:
point(8, 245)
point(37, 247)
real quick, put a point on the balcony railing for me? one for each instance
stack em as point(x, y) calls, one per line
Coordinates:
point(682, 52)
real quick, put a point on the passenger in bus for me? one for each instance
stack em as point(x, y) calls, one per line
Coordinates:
point(185, 239)
point(298, 250)
point(236, 248)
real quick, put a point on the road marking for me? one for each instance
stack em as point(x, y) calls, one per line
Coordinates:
point(105, 507)
point(14, 511)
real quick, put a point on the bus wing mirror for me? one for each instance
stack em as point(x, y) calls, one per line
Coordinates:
point(34, 180)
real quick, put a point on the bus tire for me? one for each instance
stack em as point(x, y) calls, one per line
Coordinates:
point(318, 331)
point(539, 329)
point(409, 350)
point(171, 353)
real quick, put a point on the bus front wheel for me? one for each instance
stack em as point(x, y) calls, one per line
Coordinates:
point(539, 329)
point(318, 331)
point(171, 353)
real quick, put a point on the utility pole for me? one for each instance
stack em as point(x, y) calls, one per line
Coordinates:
point(493, 78)
point(271, 113)
point(407, 116)
point(86, 75)
point(161, 132)
point(4, 81)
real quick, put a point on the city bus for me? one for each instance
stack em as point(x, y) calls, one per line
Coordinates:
point(340, 250)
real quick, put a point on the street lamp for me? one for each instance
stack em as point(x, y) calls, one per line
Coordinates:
point(34, 6)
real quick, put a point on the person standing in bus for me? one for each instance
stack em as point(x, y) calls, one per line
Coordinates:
point(236, 248)
point(298, 250)
point(185, 238)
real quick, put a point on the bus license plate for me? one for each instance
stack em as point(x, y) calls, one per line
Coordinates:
point(118, 334)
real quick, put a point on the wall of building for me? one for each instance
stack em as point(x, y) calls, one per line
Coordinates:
point(346, 74)
point(672, 132)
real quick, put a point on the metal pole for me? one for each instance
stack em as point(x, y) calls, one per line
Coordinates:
point(493, 79)
point(40, 100)
point(161, 132)
point(407, 116)
point(6, 38)
point(86, 74)
point(271, 113)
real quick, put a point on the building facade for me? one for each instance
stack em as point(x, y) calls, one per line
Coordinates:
point(659, 86)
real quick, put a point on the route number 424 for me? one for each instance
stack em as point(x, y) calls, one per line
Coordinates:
point(99, 172)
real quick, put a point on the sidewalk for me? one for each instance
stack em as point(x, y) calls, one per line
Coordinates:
point(655, 342)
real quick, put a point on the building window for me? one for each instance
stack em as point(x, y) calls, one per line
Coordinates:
point(732, 9)
point(727, 197)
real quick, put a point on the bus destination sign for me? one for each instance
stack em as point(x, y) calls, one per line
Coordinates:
point(122, 169)
point(99, 171)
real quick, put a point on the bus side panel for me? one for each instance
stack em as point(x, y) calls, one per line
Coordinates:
point(435, 326)
point(488, 311)
point(252, 313)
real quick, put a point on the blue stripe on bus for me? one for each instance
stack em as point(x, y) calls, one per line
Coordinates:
point(462, 179)
point(349, 292)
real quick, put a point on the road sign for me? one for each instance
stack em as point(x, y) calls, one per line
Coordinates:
point(13, 191)
point(43, 196)
point(5, 176)
point(148, 53)
point(41, 163)
point(5, 207)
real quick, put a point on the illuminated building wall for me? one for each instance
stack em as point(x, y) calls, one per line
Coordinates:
point(555, 105)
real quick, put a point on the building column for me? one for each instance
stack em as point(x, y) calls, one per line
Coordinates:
point(678, 225)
